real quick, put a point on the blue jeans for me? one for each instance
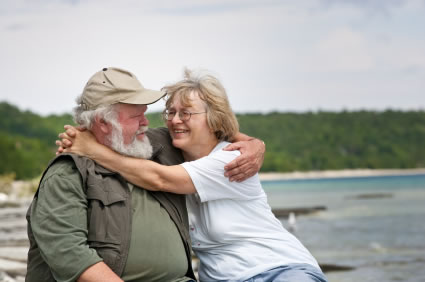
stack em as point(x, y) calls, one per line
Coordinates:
point(290, 273)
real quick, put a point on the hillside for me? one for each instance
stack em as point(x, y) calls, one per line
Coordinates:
point(295, 141)
point(325, 140)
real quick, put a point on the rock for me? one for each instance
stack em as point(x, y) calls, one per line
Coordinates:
point(334, 267)
point(20, 278)
point(13, 268)
point(3, 197)
point(17, 254)
point(5, 278)
point(371, 196)
point(9, 204)
point(297, 211)
point(13, 227)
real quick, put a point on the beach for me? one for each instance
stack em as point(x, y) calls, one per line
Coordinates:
point(271, 176)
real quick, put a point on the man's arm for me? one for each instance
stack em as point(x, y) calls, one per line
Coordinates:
point(251, 158)
point(59, 223)
point(99, 272)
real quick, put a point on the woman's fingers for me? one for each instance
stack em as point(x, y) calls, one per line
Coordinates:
point(67, 136)
point(60, 149)
point(72, 131)
point(66, 143)
point(65, 140)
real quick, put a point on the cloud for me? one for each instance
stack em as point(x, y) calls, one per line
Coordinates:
point(342, 50)
point(15, 27)
point(293, 54)
point(372, 7)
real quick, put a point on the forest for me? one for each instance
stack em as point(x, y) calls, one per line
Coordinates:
point(294, 141)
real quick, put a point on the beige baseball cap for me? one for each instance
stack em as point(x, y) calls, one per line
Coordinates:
point(114, 85)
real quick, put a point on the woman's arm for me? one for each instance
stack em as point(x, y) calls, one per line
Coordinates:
point(246, 165)
point(144, 173)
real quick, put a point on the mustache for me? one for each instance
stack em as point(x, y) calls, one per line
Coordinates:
point(142, 129)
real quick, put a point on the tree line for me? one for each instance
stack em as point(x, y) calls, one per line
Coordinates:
point(294, 141)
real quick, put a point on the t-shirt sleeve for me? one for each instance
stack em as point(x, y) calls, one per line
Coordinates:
point(207, 175)
point(59, 224)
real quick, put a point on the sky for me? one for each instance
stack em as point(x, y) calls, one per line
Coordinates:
point(270, 55)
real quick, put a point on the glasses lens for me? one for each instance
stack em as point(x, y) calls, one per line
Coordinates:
point(184, 115)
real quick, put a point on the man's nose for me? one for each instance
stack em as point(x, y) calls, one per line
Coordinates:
point(144, 121)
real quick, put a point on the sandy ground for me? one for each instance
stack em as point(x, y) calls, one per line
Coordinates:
point(338, 173)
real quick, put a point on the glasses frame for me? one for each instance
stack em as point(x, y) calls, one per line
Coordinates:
point(182, 114)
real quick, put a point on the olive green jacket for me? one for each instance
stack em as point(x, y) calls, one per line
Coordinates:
point(110, 208)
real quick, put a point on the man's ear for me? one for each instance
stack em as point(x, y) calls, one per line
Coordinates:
point(103, 125)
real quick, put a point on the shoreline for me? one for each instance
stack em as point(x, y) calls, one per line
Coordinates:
point(343, 173)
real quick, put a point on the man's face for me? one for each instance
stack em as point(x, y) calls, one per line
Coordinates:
point(132, 118)
point(127, 134)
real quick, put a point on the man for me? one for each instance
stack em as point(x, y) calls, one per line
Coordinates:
point(87, 223)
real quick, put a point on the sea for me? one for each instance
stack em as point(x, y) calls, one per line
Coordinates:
point(375, 224)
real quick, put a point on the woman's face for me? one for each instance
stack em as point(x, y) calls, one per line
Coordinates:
point(192, 136)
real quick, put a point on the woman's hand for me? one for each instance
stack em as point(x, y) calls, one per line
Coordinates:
point(66, 138)
point(75, 140)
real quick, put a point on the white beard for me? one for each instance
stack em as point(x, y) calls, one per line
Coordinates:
point(138, 148)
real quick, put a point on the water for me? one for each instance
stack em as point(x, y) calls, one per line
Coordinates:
point(375, 224)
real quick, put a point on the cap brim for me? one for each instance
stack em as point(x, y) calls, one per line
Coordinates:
point(145, 97)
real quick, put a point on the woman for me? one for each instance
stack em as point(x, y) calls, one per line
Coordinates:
point(234, 233)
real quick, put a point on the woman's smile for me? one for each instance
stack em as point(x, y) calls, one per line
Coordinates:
point(179, 132)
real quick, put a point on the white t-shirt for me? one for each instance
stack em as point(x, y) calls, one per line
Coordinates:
point(233, 230)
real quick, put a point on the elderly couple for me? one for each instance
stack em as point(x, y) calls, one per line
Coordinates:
point(124, 203)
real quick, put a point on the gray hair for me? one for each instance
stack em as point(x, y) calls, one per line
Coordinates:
point(85, 118)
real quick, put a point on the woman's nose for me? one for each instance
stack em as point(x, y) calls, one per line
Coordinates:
point(176, 118)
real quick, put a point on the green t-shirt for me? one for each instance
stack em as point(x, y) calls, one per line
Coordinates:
point(59, 224)
point(156, 255)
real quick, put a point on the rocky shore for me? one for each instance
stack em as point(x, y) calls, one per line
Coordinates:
point(13, 241)
point(15, 198)
point(270, 176)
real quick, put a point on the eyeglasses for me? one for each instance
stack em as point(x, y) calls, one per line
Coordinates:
point(183, 115)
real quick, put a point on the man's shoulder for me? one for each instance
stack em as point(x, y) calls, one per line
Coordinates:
point(159, 134)
point(61, 171)
point(61, 166)
point(164, 151)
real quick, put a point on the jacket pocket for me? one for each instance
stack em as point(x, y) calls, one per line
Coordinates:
point(106, 211)
point(109, 252)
